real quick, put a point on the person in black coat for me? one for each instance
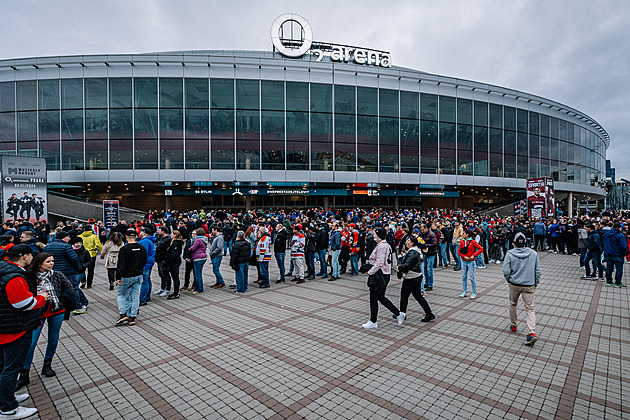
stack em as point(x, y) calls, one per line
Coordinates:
point(172, 261)
point(410, 269)
point(279, 249)
point(321, 244)
point(239, 260)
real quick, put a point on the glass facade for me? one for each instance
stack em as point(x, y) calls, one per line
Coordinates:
point(235, 124)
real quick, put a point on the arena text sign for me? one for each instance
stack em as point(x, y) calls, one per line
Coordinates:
point(292, 36)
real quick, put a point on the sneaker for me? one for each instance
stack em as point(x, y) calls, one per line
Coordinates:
point(620, 285)
point(531, 339)
point(232, 286)
point(21, 397)
point(220, 285)
point(498, 262)
point(332, 278)
point(463, 295)
point(429, 288)
point(513, 328)
point(165, 293)
point(81, 310)
point(369, 325)
point(401, 318)
point(600, 278)
point(586, 277)
point(608, 284)
point(483, 266)
point(173, 296)
point(18, 413)
point(279, 281)
point(132, 320)
point(263, 286)
point(122, 318)
point(473, 296)
point(196, 292)
point(456, 268)
point(428, 318)
point(143, 304)
point(159, 292)
point(300, 281)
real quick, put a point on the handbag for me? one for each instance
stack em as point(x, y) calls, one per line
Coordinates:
point(365, 268)
point(253, 260)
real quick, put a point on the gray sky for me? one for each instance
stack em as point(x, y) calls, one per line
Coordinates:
point(576, 52)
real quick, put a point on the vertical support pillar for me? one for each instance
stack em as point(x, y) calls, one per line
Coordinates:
point(248, 203)
point(570, 205)
point(396, 203)
point(326, 203)
point(167, 202)
point(454, 203)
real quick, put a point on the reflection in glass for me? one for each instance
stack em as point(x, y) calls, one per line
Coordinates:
point(49, 138)
point(146, 135)
point(48, 94)
point(72, 139)
point(96, 156)
point(71, 93)
point(120, 138)
point(345, 128)
point(197, 137)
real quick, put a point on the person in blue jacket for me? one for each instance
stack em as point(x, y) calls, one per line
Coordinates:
point(554, 235)
point(615, 249)
point(147, 240)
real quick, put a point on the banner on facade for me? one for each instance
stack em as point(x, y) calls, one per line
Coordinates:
point(24, 188)
point(540, 197)
point(110, 213)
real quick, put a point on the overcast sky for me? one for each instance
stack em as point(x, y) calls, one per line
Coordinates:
point(576, 52)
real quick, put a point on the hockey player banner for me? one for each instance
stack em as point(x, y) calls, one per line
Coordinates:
point(24, 190)
point(540, 197)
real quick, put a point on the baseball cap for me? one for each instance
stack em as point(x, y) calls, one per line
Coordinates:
point(61, 235)
point(520, 240)
point(19, 250)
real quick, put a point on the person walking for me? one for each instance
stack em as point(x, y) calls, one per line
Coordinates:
point(410, 270)
point(199, 257)
point(615, 249)
point(468, 251)
point(216, 255)
point(378, 278)
point(163, 241)
point(298, 243)
point(66, 261)
point(172, 262)
point(279, 249)
point(263, 254)
point(458, 232)
point(132, 258)
point(521, 269)
point(594, 254)
point(84, 262)
point(431, 243)
point(147, 240)
point(239, 260)
point(62, 295)
point(335, 248)
point(110, 255)
point(94, 246)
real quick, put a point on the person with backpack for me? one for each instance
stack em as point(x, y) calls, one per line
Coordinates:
point(594, 254)
point(615, 249)
point(468, 251)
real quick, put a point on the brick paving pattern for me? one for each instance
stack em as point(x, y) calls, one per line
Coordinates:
point(298, 351)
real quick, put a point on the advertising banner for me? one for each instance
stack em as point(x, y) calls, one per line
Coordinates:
point(24, 190)
point(540, 197)
point(110, 213)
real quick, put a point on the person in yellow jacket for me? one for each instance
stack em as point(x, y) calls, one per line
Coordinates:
point(92, 243)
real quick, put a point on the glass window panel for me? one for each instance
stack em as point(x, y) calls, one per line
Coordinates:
point(509, 118)
point(145, 92)
point(409, 142)
point(544, 156)
point(496, 116)
point(321, 140)
point(146, 135)
point(49, 138)
point(429, 108)
point(522, 158)
point(367, 103)
point(409, 106)
point(247, 134)
point(345, 141)
point(96, 153)
point(7, 133)
point(72, 93)
point(533, 123)
point(481, 150)
point(563, 130)
point(447, 110)
point(464, 148)
point(26, 95)
point(120, 124)
point(222, 93)
point(27, 133)
point(272, 98)
point(96, 93)
point(297, 138)
point(273, 139)
point(171, 123)
point(481, 114)
point(198, 137)
point(7, 97)
point(388, 103)
point(344, 100)
point(197, 93)
point(553, 127)
point(389, 150)
point(171, 92)
point(48, 94)
point(544, 125)
point(171, 153)
point(120, 139)
point(247, 94)
point(297, 96)
point(321, 98)
point(509, 156)
point(521, 120)
point(72, 139)
point(570, 133)
point(222, 138)
point(448, 143)
point(429, 146)
point(562, 162)
point(367, 142)
point(464, 111)
point(119, 92)
point(496, 151)
point(534, 156)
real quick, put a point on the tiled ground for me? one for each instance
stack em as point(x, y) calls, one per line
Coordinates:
point(298, 351)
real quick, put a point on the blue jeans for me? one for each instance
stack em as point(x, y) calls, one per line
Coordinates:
point(128, 296)
point(453, 248)
point(479, 261)
point(322, 259)
point(197, 270)
point(264, 272)
point(241, 277)
point(227, 245)
point(596, 257)
point(582, 256)
point(54, 326)
point(145, 289)
point(466, 267)
point(335, 263)
point(76, 280)
point(280, 261)
point(310, 262)
point(443, 254)
point(12, 355)
point(427, 267)
point(216, 264)
point(617, 263)
point(354, 264)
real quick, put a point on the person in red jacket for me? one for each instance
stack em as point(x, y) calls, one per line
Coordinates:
point(468, 251)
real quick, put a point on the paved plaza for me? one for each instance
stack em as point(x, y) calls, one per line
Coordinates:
point(298, 351)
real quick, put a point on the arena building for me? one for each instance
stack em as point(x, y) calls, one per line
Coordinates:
point(305, 124)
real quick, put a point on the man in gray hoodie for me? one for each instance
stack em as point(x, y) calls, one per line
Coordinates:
point(216, 255)
point(521, 269)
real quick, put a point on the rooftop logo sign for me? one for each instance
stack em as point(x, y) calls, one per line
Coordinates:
point(292, 36)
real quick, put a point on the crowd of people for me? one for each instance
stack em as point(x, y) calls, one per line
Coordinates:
point(45, 271)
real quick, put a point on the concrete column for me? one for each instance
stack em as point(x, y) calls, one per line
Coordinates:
point(570, 205)
point(326, 203)
point(248, 203)
point(167, 202)
point(395, 203)
point(454, 203)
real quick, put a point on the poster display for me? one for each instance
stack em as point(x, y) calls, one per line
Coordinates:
point(24, 188)
point(110, 213)
point(540, 197)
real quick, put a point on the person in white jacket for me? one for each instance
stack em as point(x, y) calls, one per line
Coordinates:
point(298, 243)
point(263, 252)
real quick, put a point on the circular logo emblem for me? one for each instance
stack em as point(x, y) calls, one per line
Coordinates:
point(291, 35)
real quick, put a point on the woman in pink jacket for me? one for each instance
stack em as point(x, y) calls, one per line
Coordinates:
point(199, 257)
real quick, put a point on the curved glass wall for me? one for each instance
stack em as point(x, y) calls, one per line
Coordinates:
point(199, 123)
